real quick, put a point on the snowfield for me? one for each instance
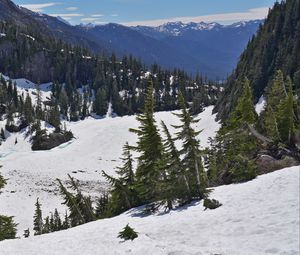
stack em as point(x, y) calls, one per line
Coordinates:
point(257, 217)
point(97, 146)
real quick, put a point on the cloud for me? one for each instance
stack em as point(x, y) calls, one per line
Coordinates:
point(251, 14)
point(70, 15)
point(38, 7)
point(89, 19)
point(97, 15)
point(72, 8)
point(114, 15)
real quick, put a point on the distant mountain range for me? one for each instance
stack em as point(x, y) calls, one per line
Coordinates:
point(209, 48)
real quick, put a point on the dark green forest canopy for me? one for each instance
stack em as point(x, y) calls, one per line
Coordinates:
point(276, 46)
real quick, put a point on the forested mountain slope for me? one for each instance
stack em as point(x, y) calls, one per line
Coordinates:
point(276, 46)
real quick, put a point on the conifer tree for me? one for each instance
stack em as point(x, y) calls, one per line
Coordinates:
point(179, 186)
point(37, 219)
point(149, 145)
point(57, 221)
point(191, 153)
point(244, 112)
point(286, 117)
point(76, 216)
point(7, 226)
point(28, 110)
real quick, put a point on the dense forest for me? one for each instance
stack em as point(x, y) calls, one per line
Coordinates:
point(275, 46)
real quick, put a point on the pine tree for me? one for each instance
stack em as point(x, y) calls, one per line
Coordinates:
point(7, 228)
point(76, 216)
point(244, 112)
point(37, 219)
point(28, 110)
point(66, 224)
point(57, 221)
point(128, 233)
point(178, 186)
point(191, 153)
point(149, 145)
point(277, 91)
point(101, 205)
point(286, 117)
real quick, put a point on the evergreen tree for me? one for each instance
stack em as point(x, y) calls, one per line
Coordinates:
point(178, 185)
point(37, 219)
point(191, 153)
point(7, 228)
point(28, 110)
point(244, 112)
point(286, 117)
point(128, 233)
point(150, 147)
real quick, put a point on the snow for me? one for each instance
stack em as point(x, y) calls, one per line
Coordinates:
point(257, 217)
point(260, 106)
point(97, 146)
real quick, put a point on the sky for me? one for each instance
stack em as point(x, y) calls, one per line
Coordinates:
point(150, 12)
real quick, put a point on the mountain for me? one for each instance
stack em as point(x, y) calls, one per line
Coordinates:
point(216, 48)
point(209, 48)
point(276, 46)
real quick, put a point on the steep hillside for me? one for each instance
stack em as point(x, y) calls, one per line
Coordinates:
point(276, 46)
point(258, 217)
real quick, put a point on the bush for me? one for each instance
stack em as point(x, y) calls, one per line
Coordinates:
point(128, 233)
point(211, 204)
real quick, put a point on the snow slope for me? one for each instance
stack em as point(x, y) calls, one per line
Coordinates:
point(257, 217)
point(97, 146)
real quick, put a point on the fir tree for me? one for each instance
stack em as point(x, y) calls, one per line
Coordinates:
point(286, 117)
point(178, 185)
point(7, 228)
point(37, 219)
point(128, 233)
point(191, 153)
point(150, 147)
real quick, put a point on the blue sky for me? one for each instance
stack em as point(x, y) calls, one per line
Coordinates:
point(150, 12)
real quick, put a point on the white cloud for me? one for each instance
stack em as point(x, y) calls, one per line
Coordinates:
point(97, 15)
point(115, 15)
point(66, 15)
point(251, 14)
point(38, 7)
point(89, 19)
point(72, 8)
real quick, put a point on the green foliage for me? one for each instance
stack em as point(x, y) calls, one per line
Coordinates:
point(7, 228)
point(274, 47)
point(128, 233)
point(235, 147)
point(150, 147)
point(191, 153)
point(38, 224)
point(211, 204)
point(80, 206)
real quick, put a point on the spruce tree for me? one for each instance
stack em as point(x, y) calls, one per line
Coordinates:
point(285, 117)
point(178, 185)
point(150, 147)
point(190, 151)
point(37, 219)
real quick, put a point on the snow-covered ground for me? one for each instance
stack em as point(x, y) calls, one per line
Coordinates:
point(97, 146)
point(257, 217)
